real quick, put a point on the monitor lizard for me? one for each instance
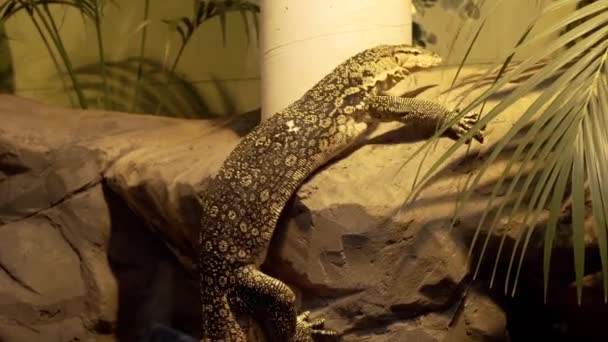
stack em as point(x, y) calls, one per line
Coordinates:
point(242, 203)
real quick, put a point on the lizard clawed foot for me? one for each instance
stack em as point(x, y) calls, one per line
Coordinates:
point(463, 126)
point(306, 329)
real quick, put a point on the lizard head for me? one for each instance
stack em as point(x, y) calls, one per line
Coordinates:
point(383, 66)
point(411, 57)
point(372, 71)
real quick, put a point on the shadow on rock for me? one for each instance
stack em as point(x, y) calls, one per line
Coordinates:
point(153, 287)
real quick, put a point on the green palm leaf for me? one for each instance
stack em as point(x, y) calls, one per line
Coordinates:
point(43, 19)
point(564, 146)
point(12, 7)
point(205, 10)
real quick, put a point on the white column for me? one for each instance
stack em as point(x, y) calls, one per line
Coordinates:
point(303, 40)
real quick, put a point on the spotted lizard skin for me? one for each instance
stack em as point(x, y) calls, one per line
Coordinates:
point(243, 202)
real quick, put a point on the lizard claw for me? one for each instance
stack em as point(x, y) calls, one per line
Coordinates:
point(463, 126)
point(306, 329)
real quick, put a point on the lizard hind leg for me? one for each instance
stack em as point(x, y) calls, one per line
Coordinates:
point(305, 329)
point(274, 302)
point(219, 322)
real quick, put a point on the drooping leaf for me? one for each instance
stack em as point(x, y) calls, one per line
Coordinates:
point(222, 15)
point(547, 96)
point(578, 213)
point(557, 144)
point(543, 135)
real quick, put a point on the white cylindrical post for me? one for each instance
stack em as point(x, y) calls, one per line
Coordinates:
point(301, 41)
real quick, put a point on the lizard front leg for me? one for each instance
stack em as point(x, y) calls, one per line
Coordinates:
point(425, 115)
point(274, 304)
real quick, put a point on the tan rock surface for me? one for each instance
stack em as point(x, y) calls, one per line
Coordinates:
point(90, 201)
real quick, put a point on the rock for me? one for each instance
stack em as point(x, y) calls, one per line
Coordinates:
point(480, 319)
point(67, 329)
point(110, 199)
point(75, 261)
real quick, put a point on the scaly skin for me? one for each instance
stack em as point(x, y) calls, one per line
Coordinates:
point(243, 202)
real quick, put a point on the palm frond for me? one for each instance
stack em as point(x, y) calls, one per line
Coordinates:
point(42, 17)
point(565, 146)
point(142, 47)
point(7, 83)
point(205, 10)
point(13, 7)
point(145, 78)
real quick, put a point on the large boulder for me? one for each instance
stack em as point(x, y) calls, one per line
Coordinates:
point(99, 216)
point(76, 262)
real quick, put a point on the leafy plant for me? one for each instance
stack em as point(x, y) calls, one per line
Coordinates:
point(205, 10)
point(142, 49)
point(40, 13)
point(7, 85)
point(565, 149)
point(156, 88)
point(45, 23)
point(570, 26)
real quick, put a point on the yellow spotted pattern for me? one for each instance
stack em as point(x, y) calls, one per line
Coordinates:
point(242, 204)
